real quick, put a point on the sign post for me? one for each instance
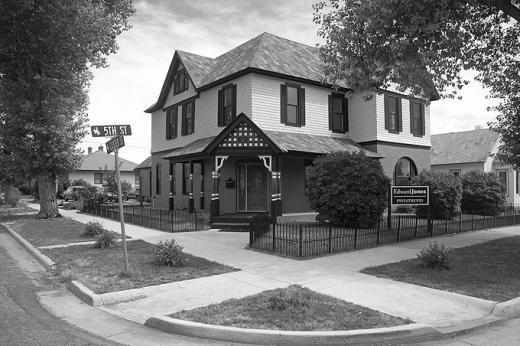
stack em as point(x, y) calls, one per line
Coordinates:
point(113, 145)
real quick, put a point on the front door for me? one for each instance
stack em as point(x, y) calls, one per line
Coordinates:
point(252, 187)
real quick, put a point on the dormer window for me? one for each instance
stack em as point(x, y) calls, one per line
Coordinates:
point(180, 81)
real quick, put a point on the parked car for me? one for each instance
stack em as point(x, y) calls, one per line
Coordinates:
point(72, 191)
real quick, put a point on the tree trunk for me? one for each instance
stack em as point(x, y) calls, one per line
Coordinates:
point(47, 194)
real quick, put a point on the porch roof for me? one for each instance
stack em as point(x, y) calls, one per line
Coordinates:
point(286, 141)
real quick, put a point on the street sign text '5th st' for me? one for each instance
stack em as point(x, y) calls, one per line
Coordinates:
point(115, 143)
point(110, 130)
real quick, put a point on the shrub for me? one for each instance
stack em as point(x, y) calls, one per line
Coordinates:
point(93, 229)
point(168, 253)
point(290, 298)
point(106, 240)
point(445, 194)
point(347, 188)
point(435, 256)
point(482, 193)
point(12, 196)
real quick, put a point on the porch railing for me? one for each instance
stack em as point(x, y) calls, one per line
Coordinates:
point(310, 239)
point(164, 220)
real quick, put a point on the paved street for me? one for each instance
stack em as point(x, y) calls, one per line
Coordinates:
point(23, 320)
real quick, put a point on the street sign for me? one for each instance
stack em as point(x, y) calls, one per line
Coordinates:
point(110, 130)
point(115, 143)
point(410, 195)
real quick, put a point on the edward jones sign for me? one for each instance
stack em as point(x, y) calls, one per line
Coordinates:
point(410, 195)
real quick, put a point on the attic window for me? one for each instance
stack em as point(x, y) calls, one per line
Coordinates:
point(180, 81)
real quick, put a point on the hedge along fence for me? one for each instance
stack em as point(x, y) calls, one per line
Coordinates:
point(164, 220)
point(310, 239)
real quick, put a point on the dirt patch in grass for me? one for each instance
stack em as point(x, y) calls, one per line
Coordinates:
point(42, 232)
point(489, 271)
point(291, 308)
point(101, 269)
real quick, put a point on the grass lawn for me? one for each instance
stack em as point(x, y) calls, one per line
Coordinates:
point(489, 270)
point(42, 232)
point(291, 308)
point(100, 269)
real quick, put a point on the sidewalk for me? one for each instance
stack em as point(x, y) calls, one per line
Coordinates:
point(336, 275)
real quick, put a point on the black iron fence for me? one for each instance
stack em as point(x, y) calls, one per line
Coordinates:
point(310, 239)
point(164, 220)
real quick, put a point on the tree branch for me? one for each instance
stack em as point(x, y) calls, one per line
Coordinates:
point(505, 6)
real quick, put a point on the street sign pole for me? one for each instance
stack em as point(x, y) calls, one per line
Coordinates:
point(121, 215)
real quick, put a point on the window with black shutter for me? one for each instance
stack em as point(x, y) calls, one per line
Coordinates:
point(417, 118)
point(393, 120)
point(227, 104)
point(292, 105)
point(158, 179)
point(188, 118)
point(171, 122)
point(338, 113)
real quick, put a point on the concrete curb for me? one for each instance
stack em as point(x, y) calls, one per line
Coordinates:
point(85, 294)
point(508, 309)
point(44, 260)
point(279, 337)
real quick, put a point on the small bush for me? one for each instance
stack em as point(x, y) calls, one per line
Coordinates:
point(445, 194)
point(167, 253)
point(347, 189)
point(93, 229)
point(287, 299)
point(106, 240)
point(12, 196)
point(482, 193)
point(435, 256)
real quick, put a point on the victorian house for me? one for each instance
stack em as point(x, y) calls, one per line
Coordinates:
point(234, 134)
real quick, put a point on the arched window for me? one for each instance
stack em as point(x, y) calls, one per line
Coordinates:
point(404, 171)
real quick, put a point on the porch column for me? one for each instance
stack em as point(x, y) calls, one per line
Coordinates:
point(172, 186)
point(191, 202)
point(202, 204)
point(276, 190)
point(215, 197)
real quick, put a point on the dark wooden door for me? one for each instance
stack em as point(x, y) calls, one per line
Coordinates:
point(252, 187)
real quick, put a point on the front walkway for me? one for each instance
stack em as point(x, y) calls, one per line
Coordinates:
point(336, 275)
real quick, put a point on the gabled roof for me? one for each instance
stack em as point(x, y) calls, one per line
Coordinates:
point(147, 163)
point(462, 147)
point(99, 160)
point(265, 53)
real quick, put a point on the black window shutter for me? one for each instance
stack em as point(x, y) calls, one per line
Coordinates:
point(423, 119)
point(234, 99)
point(301, 106)
point(283, 103)
point(412, 118)
point(192, 117)
point(175, 122)
point(168, 124)
point(221, 107)
point(183, 126)
point(331, 105)
point(387, 115)
point(345, 114)
point(399, 115)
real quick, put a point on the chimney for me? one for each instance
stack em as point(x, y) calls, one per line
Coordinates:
point(100, 148)
point(90, 150)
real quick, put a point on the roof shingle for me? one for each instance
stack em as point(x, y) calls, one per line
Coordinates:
point(460, 147)
point(99, 160)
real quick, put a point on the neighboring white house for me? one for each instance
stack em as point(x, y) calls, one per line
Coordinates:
point(461, 152)
point(98, 165)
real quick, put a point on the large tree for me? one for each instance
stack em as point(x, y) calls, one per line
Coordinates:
point(47, 48)
point(422, 46)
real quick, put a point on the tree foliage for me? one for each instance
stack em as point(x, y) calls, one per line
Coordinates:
point(482, 193)
point(347, 188)
point(46, 51)
point(421, 47)
point(445, 194)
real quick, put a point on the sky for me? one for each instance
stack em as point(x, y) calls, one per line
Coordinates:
point(120, 93)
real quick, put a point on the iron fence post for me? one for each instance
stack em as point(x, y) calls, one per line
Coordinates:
point(195, 219)
point(274, 236)
point(330, 238)
point(472, 222)
point(378, 236)
point(355, 236)
point(171, 219)
point(398, 228)
point(460, 222)
point(415, 231)
point(446, 227)
point(300, 240)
